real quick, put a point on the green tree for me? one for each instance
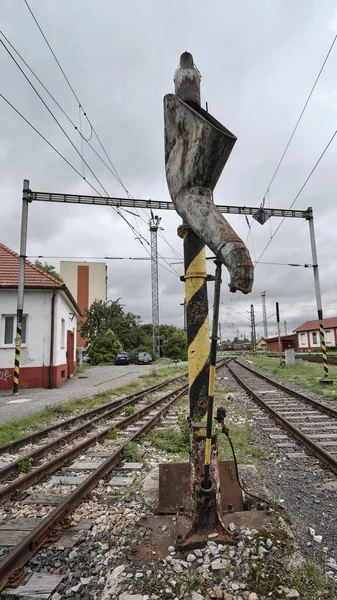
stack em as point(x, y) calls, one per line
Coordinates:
point(174, 342)
point(104, 347)
point(50, 269)
point(101, 316)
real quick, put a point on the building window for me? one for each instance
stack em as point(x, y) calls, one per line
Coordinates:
point(63, 332)
point(302, 339)
point(314, 337)
point(9, 330)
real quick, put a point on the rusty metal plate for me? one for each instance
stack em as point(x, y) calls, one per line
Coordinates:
point(174, 488)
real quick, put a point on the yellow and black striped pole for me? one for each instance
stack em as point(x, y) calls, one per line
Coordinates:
point(18, 337)
point(323, 348)
point(21, 284)
point(197, 323)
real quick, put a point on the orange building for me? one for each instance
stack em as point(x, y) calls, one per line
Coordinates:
point(87, 282)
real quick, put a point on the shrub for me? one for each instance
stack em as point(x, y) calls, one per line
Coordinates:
point(104, 348)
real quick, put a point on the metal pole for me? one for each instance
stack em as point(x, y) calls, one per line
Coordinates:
point(264, 313)
point(21, 284)
point(211, 386)
point(279, 331)
point(318, 292)
point(253, 330)
point(285, 328)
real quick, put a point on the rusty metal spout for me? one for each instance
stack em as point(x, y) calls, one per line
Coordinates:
point(197, 148)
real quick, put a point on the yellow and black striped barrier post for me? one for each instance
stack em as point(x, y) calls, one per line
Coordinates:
point(197, 324)
point(18, 337)
point(323, 348)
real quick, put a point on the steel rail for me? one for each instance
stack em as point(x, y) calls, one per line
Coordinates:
point(34, 437)
point(52, 445)
point(20, 555)
point(317, 450)
point(36, 475)
point(332, 412)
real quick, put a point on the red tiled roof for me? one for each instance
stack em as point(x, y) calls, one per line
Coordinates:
point(34, 277)
point(313, 325)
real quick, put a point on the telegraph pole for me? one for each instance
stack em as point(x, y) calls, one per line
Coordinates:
point(154, 224)
point(253, 330)
point(264, 313)
point(285, 328)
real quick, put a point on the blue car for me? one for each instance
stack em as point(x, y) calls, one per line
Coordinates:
point(122, 359)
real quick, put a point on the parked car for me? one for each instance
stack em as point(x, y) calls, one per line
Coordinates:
point(86, 358)
point(122, 359)
point(144, 358)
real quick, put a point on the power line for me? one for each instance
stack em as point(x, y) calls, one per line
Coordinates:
point(65, 160)
point(85, 114)
point(300, 117)
point(298, 193)
point(92, 257)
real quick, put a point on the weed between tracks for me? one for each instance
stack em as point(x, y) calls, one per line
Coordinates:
point(19, 428)
point(303, 373)
point(175, 440)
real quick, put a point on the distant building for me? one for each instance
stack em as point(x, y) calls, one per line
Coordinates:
point(48, 353)
point(308, 337)
point(87, 281)
point(261, 344)
point(287, 341)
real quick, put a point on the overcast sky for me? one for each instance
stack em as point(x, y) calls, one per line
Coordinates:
point(258, 60)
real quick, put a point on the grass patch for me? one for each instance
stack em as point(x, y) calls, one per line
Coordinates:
point(173, 440)
point(128, 411)
point(131, 453)
point(26, 465)
point(303, 373)
point(113, 432)
point(311, 582)
point(19, 428)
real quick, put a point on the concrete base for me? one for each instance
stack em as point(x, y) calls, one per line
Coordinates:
point(326, 381)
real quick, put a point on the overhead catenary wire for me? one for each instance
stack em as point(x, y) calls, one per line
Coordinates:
point(267, 192)
point(301, 115)
point(65, 160)
point(114, 170)
point(299, 192)
point(84, 162)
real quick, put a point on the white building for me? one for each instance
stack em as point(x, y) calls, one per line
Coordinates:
point(87, 282)
point(308, 337)
point(48, 352)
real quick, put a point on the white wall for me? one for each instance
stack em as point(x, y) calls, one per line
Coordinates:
point(317, 343)
point(63, 310)
point(302, 339)
point(329, 337)
point(37, 306)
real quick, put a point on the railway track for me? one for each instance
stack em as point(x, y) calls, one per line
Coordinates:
point(62, 483)
point(310, 422)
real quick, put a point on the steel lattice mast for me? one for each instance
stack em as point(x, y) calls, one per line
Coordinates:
point(154, 224)
point(264, 312)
